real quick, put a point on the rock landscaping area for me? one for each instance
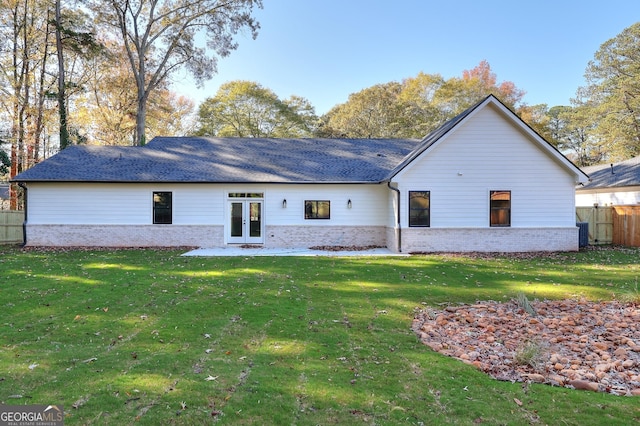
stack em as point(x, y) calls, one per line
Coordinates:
point(572, 343)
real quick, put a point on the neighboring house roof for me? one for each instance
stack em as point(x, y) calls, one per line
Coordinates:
point(259, 160)
point(4, 192)
point(624, 173)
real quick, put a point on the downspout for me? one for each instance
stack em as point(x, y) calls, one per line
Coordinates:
point(398, 216)
point(24, 223)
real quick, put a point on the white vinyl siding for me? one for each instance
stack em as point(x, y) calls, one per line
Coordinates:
point(483, 154)
point(608, 196)
point(112, 204)
point(368, 204)
point(200, 204)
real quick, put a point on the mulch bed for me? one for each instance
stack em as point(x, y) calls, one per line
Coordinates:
point(572, 343)
point(344, 248)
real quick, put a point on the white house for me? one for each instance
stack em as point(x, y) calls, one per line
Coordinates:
point(484, 181)
point(611, 185)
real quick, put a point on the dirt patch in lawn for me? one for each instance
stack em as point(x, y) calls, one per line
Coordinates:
point(571, 343)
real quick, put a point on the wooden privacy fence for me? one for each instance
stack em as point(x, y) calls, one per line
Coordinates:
point(612, 225)
point(600, 221)
point(11, 227)
point(626, 225)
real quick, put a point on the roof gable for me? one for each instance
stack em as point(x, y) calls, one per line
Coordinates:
point(441, 134)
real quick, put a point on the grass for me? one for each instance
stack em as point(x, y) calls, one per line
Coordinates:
point(149, 337)
point(531, 352)
point(523, 302)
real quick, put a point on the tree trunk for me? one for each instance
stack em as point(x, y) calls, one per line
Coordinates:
point(141, 118)
point(62, 104)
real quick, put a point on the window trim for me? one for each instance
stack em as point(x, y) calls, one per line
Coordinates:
point(500, 208)
point(307, 213)
point(157, 208)
point(428, 209)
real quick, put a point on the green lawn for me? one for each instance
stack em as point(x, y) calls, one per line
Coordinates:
point(149, 337)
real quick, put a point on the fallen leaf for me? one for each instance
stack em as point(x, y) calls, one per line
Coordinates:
point(517, 401)
point(79, 403)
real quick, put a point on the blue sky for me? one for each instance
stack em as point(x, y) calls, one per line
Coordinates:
point(324, 50)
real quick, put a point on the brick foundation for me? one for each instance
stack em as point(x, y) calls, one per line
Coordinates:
point(413, 239)
point(310, 236)
point(489, 239)
point(124, 235)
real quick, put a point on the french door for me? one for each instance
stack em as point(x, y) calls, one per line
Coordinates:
point(245, 222)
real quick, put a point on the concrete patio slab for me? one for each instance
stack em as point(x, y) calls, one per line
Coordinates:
point(258, 251)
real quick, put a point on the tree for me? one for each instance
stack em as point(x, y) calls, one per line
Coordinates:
point(458, 94)
point(572, 130)
point(105, 111)
point(613, 93)
point(170, 114)
point(247, 109)
point(160, 37)
point(62, 100)
point(72, 34)
point(373, 112)
point(420, 113)
point(416, 106)
point(24, 80)
point(537, 116)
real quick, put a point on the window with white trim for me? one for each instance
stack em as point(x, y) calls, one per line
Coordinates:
point(162, 208)
point(420, 208)
point(500, 208)
point(317, 209)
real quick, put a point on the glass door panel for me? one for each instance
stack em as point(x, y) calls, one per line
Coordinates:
point(237, 219)
point(245, 222)
point(255, 219)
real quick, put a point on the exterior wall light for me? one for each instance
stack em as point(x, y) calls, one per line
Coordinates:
point(284, 203)
point(349, 203)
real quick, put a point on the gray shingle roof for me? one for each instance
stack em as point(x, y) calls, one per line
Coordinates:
point(247, 160)
point(624, 173)
point(196, 159)
point(4, 191)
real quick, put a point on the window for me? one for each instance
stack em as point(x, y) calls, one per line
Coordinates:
point(419, 208)
point(162, 209)
point(317, 209)
point(500, 207)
